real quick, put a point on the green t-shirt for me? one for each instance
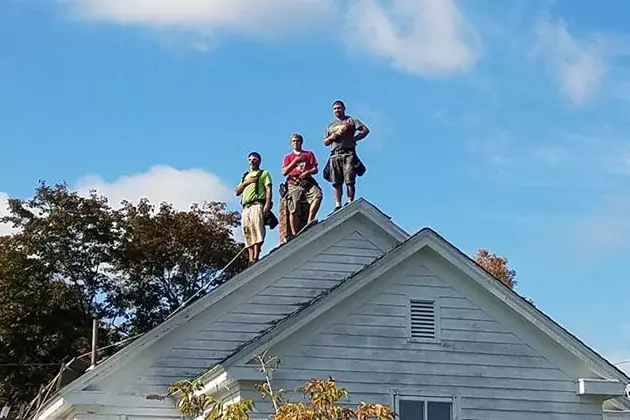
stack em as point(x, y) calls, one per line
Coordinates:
point(251, 193)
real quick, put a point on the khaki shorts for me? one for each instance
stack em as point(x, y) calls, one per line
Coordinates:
point(297, 193)
point(253, 225)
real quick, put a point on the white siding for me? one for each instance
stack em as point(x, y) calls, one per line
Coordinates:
point(493, 374)
point(204, 347)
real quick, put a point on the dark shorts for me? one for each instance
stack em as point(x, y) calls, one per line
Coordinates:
point(297, 193)
point(342, 169)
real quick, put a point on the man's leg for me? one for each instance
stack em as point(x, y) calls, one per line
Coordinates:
point(338, 195)
point(314, 198)
point(258, 231)
point(351, 190)
point(293, 223)
point(349, 176)
point(247, 233)
point(255, 255)
point(312, 211)
point(337, 175)
point(293, 202)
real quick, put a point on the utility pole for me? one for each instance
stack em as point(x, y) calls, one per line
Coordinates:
point(94, 341)
point(4, 413)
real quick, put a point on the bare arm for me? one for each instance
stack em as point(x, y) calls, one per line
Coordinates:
point(289, 167)
point(311, 171)
point(328, 140)
point(241, 187)
point(268, 199)
point(363, 131)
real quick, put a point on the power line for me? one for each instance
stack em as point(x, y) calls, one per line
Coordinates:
point(621, 363)
point(27, 364)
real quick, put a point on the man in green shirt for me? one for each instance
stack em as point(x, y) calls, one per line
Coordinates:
point(255, 192)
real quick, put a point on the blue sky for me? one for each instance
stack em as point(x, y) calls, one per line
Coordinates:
point(499, 124)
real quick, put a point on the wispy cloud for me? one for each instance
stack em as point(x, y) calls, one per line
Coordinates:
point(204, 16)
point(609, 229)
point(578, 64)
point(595, 159)
point(423, 37)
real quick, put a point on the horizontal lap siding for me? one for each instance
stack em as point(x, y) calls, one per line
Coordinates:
point(496, 375)
point(217, 340)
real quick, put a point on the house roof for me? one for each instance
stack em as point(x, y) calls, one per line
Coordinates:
point(408, 245)
point(281, 253)
point(427, 238)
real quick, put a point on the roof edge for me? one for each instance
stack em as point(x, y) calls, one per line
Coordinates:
point(518, 303)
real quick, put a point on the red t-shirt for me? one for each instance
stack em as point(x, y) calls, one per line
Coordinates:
point(308, 164)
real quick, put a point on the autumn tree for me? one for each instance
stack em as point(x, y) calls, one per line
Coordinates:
point(165, 256)
point(75, 258)
point(497, 266)
point(322, 400)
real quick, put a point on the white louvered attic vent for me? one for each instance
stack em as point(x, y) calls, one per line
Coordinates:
point(422, 318)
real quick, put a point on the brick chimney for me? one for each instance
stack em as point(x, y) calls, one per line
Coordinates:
point(283, 226)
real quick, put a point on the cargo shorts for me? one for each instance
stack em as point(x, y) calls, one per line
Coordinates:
point(296, 193)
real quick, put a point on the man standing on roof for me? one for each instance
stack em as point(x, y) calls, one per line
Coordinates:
point(344, 164)
point(299, 166)
point(256, 195)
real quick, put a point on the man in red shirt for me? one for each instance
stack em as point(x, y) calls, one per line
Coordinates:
point(299, 166)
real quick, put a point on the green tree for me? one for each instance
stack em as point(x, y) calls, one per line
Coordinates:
point(72, 236)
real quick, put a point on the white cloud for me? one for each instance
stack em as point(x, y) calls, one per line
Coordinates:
point(578, 64)
point(5, 229)
point(161, 183)
point(204, 15)
point(424, 37)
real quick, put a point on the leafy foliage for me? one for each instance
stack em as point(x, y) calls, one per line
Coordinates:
point(76, 258)
point(497, 266)
point(321, 401)
point(193, 403)
point(166, 256)
point(41, 322)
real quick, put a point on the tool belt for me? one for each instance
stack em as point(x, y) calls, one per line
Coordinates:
point(302, 182)
point(343, 151)
point(253, 203)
